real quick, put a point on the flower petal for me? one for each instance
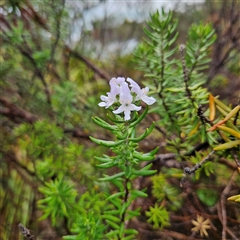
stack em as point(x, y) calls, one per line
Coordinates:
point(133, 107)
point(127, 113)
point(115, 84)
point(119, 110)
point(148, 100)
point(102, 104)
point(125, 94)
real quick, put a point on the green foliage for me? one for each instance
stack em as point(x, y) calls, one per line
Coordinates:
point(208, 196)
point(15, 35)
point(159, 216)
point(126, 159)
point(178, 85)
point(155, 58)
point(88, 222)
point(165, 192)
point(51, 153)
point(179, 91)
point(87, 227)
point(59, 200)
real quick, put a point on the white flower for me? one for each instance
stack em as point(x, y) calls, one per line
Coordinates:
point(107, 100)
point(120, 92)
point(141, 93)
point(126, 102)
point(110, 99)
point(115, 84)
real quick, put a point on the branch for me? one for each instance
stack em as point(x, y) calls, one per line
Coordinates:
point(76, 133)
point(198, 165)
point(236, 159)
point(58, 27)
point(94, 68)
point(27, 54)
point(149, 233)
point(13, 112)
point(38, 72)
point(222, 208)
point(18, 115)
point(185, 73)
point(227, 163)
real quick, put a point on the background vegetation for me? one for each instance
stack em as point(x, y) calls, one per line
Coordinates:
point(55, 63)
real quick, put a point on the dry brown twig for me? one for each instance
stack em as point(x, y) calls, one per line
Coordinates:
point(222, 209)
point(25, 232)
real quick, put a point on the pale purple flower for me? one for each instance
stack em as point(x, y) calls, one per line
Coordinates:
point(141, 94)
point(126, 102)
point(115, 84)
point(107, 101)
point(110, 99)
point(121, 93)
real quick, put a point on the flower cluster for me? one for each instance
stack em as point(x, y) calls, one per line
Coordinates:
point(121, 93)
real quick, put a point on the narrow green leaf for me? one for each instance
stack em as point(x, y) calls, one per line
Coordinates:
point(140, 118)
point(106, 165)
point(111, 218)
point(104, 124)
point(108, 178)
point(112, 224)
point(113, 234)
point(118, 194)
point(138, 193)
point(144, 135)
point(104, 159)
point(106, 143)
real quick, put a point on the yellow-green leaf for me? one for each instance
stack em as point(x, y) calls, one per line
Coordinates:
point(230, 131)
point(227, 145)
point(235, 198)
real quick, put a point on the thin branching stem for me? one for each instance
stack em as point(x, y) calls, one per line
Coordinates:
point(185, 74)
point(198, 165)
point(25, 232)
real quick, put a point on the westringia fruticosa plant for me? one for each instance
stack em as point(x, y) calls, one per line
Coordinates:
point(124, 98)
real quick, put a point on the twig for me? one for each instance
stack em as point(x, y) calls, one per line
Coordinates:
point(226, 41)
point(38, 72)
point(235, 157)
point(164, 234)
point(237, 115)
point(167, 160)
point(26, 232)
point(199, 147)
point(229, 164)
point(185, 72)
point(223, 214)
point(200, 114)
point(198, 165)
point(160, 84)
point(28, 54)
point(58, 27)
